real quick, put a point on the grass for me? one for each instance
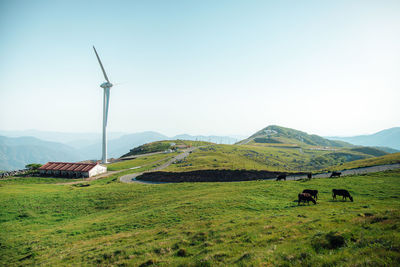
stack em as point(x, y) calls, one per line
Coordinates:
point(37, 180)
point(203, 224)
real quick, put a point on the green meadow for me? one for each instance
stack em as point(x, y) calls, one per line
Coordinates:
point(200, 224)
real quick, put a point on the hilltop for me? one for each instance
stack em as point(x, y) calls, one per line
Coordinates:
point(274, 134)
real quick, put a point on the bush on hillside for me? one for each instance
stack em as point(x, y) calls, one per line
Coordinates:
point(331, 240)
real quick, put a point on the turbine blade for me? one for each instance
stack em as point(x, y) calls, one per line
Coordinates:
point(101, 65)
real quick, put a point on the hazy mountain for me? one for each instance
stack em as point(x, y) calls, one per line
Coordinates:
point(386, 138)
point(76, 140)
point(281, 135)
point(16, 152)
point(119, 146)
point(211, 138)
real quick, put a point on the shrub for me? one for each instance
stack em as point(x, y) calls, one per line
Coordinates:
point(330, 240)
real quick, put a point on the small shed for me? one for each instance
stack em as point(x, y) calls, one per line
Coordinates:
point(72, 170)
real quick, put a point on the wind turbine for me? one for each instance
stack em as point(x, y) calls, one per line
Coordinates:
point(106, 99)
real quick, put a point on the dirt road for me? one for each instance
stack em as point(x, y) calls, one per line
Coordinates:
point(362, 170)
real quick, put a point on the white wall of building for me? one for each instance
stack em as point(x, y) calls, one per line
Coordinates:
point(96, 170)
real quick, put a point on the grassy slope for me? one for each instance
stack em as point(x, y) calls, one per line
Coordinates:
point(140, 161)
point(160, 146)
point(386, 159)
point(200, 224)
point(265, 157)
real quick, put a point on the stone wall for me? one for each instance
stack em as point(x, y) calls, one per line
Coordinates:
point(210, 176)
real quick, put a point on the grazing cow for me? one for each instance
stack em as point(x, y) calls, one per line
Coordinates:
point(341, 192)
point(306, 197)
point(309, 175)
point(336, 174)
point(281, 177)
point(313, 193)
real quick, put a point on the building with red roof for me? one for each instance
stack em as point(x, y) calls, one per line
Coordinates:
point(72, 170)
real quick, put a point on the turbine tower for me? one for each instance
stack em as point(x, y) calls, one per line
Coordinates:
point(106, 99)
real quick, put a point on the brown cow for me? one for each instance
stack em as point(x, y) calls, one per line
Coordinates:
point(306, 197)
point(313, 193)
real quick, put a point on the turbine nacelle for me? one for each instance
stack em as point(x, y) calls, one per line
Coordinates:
point(106, 85)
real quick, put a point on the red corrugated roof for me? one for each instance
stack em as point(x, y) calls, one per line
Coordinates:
point(67, 166)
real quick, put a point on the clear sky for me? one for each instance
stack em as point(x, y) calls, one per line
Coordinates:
point(201, 67)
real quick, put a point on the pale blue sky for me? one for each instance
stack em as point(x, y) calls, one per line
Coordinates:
point(201, 67)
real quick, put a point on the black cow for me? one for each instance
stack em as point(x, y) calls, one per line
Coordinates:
point(309, 175)
point(306, 197)
point(313, 193)
point(336, 174)
point(341, 192)
point(281, 177)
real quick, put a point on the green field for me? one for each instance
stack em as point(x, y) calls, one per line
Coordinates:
point(200, 224)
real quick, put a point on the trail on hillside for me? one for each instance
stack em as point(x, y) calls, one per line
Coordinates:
point(357, 171)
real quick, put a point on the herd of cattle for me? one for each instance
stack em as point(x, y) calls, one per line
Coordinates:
point(283, 176)
point(312, 195)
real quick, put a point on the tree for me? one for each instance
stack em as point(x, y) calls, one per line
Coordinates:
point(33, 166)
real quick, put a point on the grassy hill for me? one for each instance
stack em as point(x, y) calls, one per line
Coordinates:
point(272, 158)
point(161, 146)
point(274, 148)
point(204, 224)
point(280, 135)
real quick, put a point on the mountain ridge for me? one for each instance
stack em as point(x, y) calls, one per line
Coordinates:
point(385, 138)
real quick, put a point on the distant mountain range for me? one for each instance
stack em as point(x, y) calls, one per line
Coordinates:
point(17, 150)
point(389, 138)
